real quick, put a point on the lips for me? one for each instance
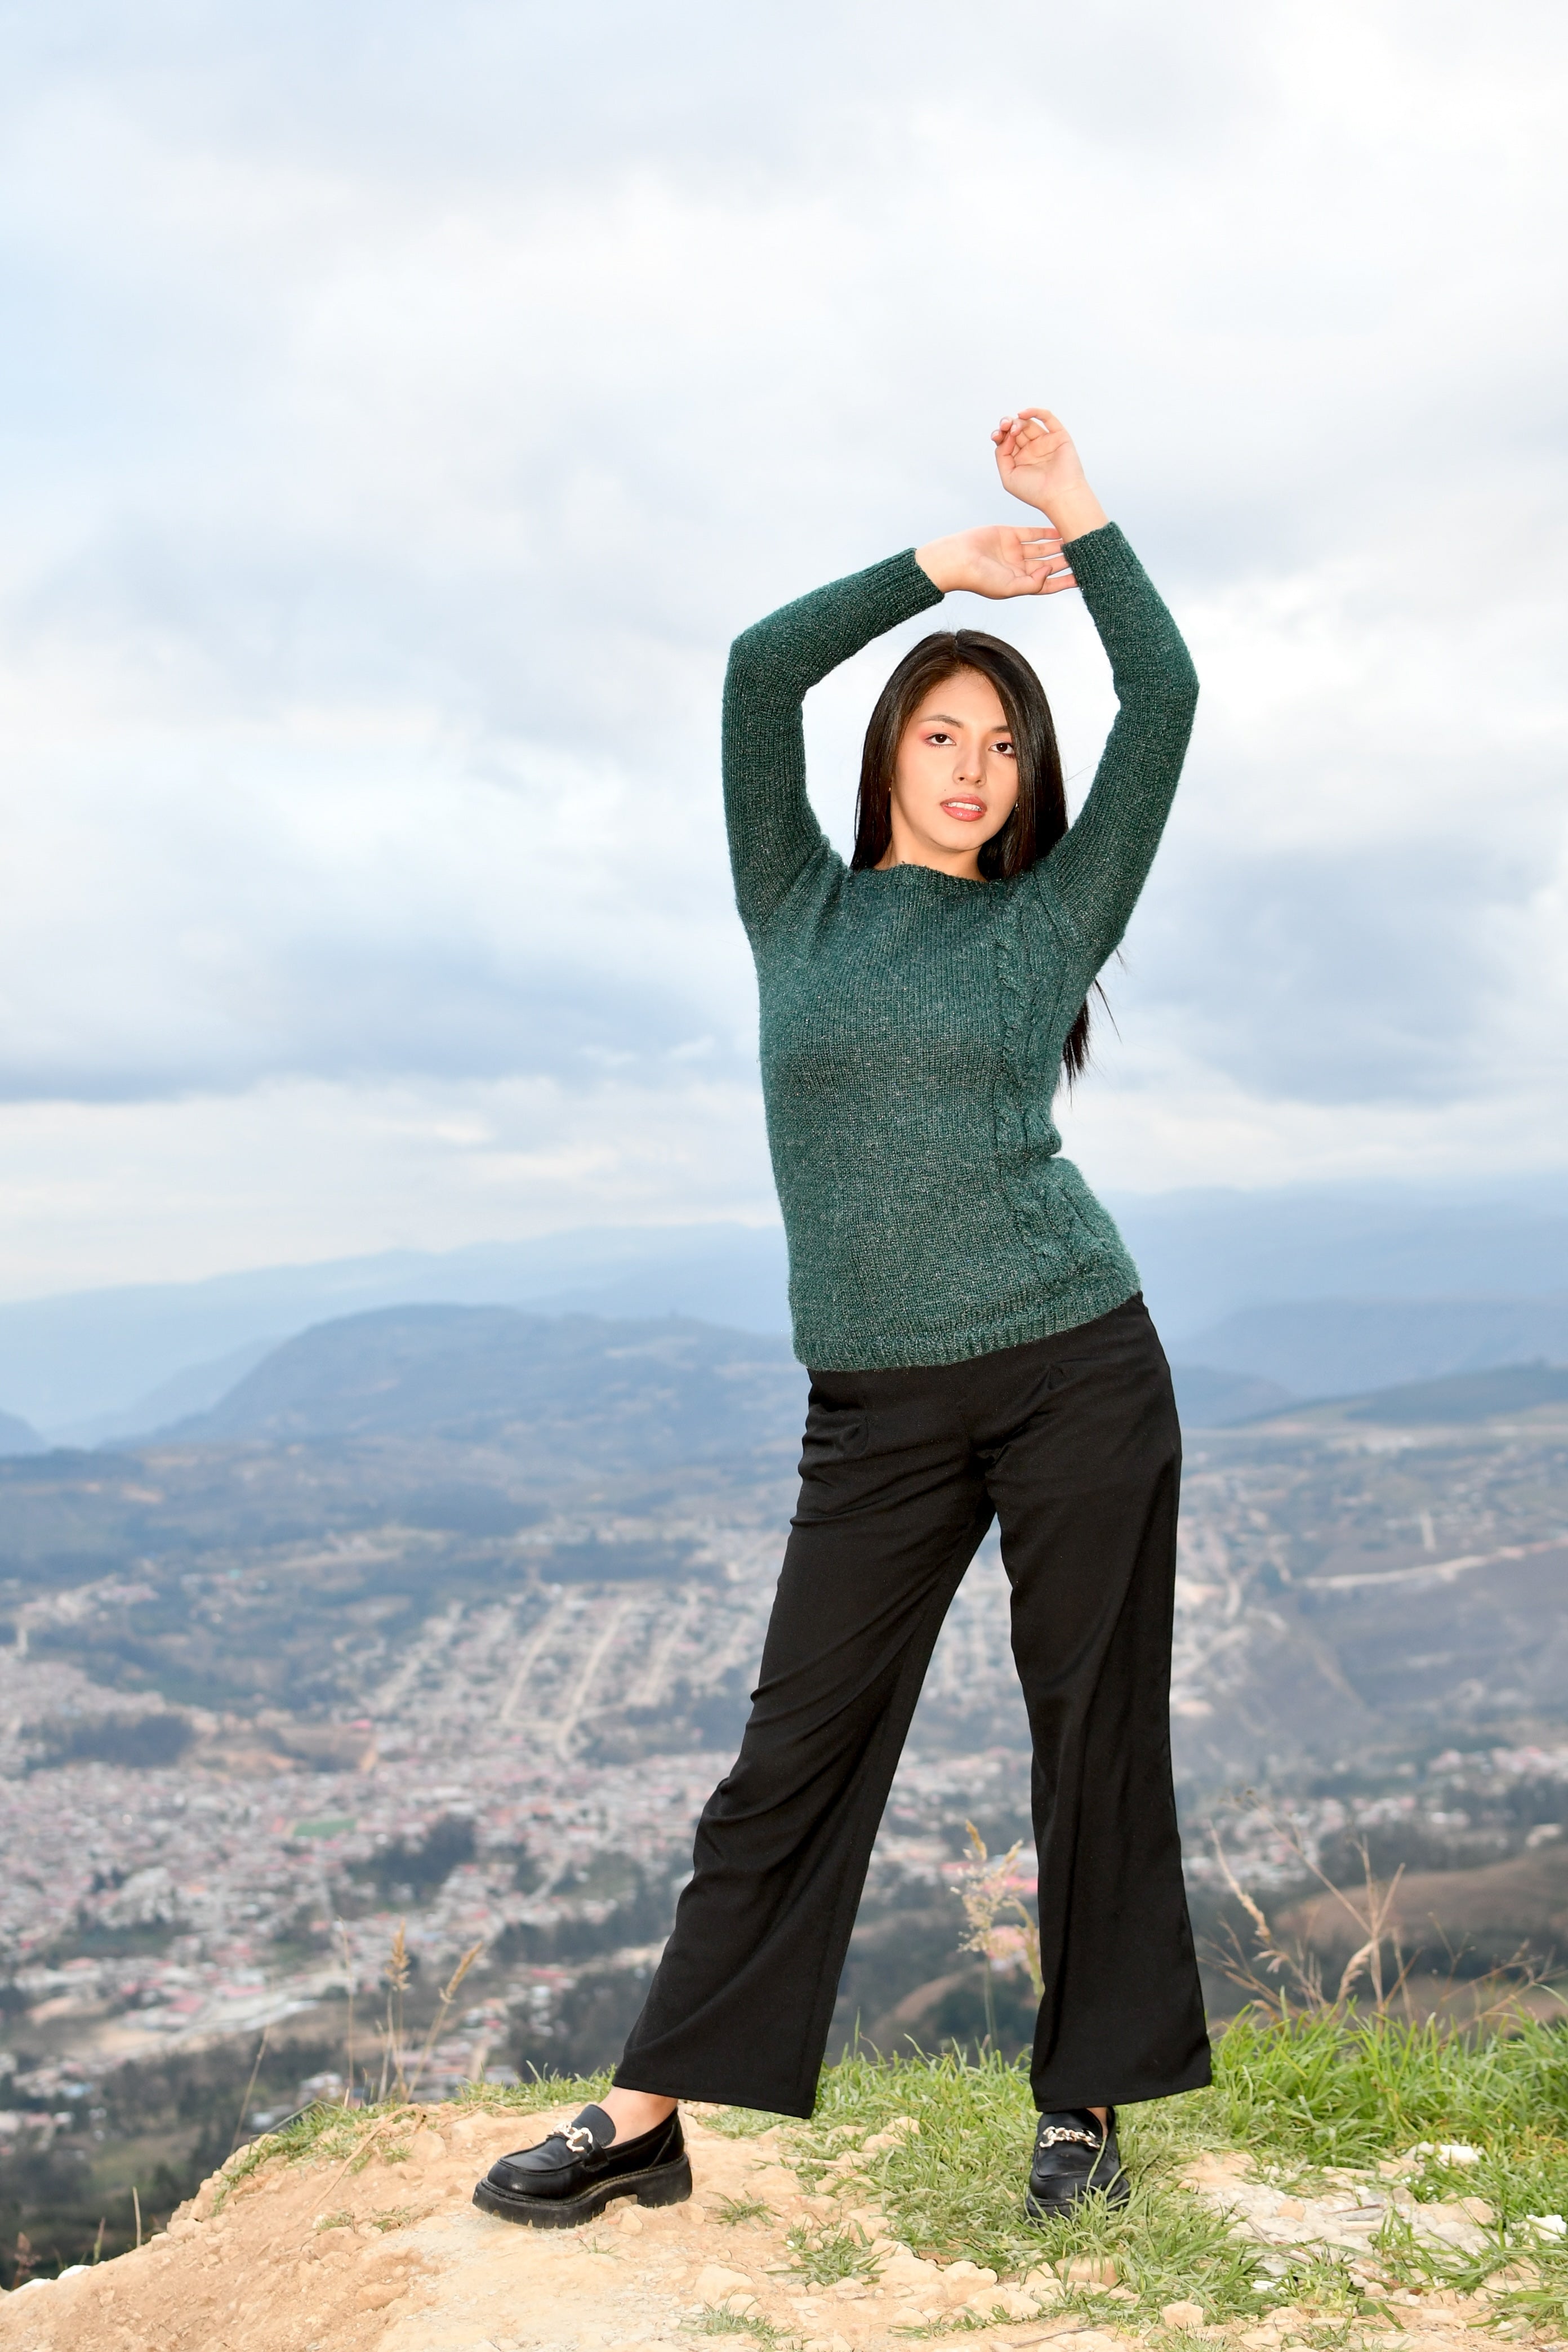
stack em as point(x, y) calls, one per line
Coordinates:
point(967, 812)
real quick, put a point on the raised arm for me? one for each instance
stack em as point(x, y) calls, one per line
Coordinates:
point(1101, 863)
point(774, 834)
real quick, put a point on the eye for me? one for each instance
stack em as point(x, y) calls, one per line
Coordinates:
point(939, 735)
point(1005, 747)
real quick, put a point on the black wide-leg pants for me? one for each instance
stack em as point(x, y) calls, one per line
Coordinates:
point(1072, 1443)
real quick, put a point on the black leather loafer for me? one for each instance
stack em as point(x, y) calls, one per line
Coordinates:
point(1075, 2157)
point(580, 2169)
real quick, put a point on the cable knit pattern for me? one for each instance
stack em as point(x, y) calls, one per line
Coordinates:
point(912, 1024)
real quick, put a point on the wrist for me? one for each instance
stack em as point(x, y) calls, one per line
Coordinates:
point(1075, 511)
point(938, 559)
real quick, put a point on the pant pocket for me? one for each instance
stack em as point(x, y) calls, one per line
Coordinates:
point(837, 1430)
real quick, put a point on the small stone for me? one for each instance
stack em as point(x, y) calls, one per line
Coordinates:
point(715, 2283)
point(376, 2296)
point(1015, 2302)
point(1182, 2314)
point(1091, 2270)
point(905, 2269)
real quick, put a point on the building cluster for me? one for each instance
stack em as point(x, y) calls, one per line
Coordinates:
point(522, 1774)
point(1466, 1807)
point(145, 1910)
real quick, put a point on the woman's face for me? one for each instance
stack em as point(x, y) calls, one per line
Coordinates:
point(955, 781)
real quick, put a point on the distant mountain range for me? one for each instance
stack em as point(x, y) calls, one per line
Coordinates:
point(96, 1366)
point(1333, 1347)
point(306, 1542)
point(1308, 1292)
point(557, 1390)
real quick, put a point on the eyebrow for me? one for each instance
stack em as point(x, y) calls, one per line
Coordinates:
point(949, 720)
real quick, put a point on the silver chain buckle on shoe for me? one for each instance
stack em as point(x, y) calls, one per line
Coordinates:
point(578, 2138)
point(1055, 2132)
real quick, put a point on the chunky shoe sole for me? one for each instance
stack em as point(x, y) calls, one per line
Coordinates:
point(1040, 2209)
point(661, 2184)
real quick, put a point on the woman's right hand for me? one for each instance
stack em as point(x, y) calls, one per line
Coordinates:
point(1038, 462)
point(998, 560)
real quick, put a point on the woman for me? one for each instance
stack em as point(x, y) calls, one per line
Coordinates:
point(978, 1348)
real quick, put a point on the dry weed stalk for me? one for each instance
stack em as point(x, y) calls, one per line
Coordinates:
point(448, 1993)
point(1372, 1909)
point(397, 1975)
point(1373, 1912)
point(349, 1979)
point(988, 1891)
point(244, 2101)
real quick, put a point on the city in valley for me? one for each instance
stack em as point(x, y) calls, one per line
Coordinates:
point(272, 1697)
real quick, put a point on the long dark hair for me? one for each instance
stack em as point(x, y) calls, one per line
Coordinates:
point(1039, 817)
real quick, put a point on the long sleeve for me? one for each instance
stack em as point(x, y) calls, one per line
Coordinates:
point(1101, 863)
point(774, 834)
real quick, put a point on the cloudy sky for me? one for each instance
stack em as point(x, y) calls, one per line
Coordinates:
point(404, 406)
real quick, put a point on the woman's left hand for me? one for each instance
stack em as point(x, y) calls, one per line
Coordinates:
point(1038, 462)
point(998, 560)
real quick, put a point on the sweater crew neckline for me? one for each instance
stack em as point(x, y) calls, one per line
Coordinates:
point(922, 877)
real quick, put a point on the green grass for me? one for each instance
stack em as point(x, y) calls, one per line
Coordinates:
point(955, 2188)
point(356, 2136)
point(1317, 2094)
point(744, 2123)
point(1329, 2092)
point(1325, 2092)
point(716, 2321)
point(736, 2210)
point(823, 2257)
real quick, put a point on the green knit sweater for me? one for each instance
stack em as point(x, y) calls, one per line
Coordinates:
point(912, 1024)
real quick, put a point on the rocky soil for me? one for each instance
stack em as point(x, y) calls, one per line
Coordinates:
point(323, 2257)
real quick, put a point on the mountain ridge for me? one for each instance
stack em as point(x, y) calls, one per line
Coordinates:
point(83, 1366)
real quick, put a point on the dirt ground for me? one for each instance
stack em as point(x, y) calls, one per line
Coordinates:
point(314, 2258)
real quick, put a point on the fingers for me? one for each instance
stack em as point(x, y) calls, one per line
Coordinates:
point(1041, 550)
point(1040, 580)
point(1030, 434)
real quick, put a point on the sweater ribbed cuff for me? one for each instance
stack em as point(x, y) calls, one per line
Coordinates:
point(1102, 552)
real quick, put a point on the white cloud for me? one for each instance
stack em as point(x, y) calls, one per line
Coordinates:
point(132, 1191)
point(408, 407)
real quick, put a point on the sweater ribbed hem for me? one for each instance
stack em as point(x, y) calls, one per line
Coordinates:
point(1093, 1292)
